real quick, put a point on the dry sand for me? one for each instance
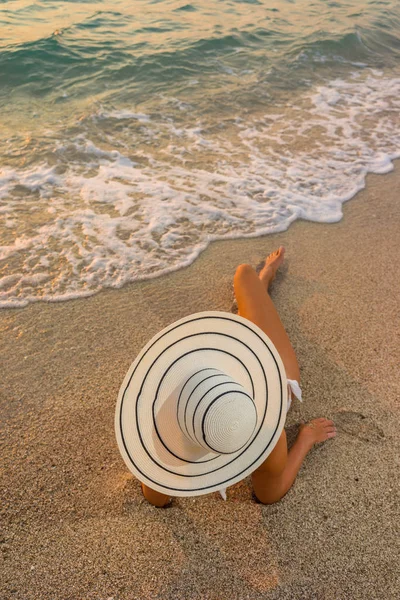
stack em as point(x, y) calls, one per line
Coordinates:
point(74, 524)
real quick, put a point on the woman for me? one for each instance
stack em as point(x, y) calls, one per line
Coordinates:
point(276, 474)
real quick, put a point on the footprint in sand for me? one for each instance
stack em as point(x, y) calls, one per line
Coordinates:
point(358, 425)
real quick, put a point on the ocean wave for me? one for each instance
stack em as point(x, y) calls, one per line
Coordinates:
point(106, 60)
point(134, 135)
point(95, 217)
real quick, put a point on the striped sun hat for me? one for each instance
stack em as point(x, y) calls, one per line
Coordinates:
point(202, 406)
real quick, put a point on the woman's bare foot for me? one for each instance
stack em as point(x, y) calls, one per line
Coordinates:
point(317, 430)
point(272, 263)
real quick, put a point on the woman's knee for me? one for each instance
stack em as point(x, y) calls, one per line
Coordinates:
point(244, 272)
point(155, 498)
point(267, 501)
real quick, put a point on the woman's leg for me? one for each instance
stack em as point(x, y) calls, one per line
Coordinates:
point(255, 304)
point(277, 473)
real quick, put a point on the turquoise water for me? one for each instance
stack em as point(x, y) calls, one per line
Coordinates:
point(134, 133)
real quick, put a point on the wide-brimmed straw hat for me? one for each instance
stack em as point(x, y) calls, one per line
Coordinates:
point(202, 406)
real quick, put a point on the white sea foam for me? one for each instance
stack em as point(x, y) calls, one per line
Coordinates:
point(99, 217)
point(123, 114)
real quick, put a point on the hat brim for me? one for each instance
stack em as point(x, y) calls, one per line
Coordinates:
point(147, 429)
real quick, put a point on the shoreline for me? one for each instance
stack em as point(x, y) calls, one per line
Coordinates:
point(388, 165)
point(75, 523)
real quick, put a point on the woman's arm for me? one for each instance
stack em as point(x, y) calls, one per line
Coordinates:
point(274, 478)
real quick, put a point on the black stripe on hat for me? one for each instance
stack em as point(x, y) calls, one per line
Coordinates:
point(196, 462)
point(190, 395)
point(195, 350)
point(204, 418)
point(159, 385)
point(221, 483)
point(204, 395)
point(191, 377)
point(137, 423)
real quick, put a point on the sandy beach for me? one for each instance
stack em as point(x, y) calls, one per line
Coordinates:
point(74, 523)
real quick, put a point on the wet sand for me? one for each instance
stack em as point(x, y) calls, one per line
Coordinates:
point(74, 523)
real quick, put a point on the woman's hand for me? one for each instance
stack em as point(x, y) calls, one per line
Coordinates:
point(317, 430)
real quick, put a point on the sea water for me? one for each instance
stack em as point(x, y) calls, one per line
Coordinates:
point(134, 132)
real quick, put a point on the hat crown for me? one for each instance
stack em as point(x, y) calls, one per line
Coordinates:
point(216, 412)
